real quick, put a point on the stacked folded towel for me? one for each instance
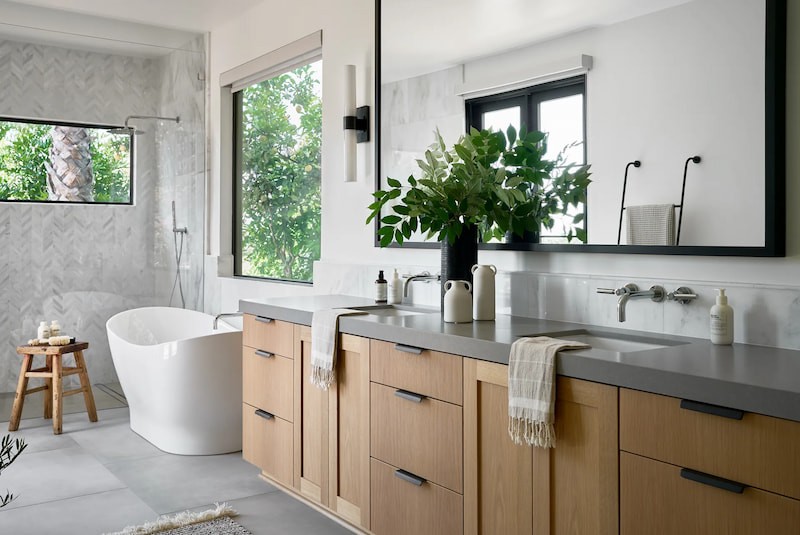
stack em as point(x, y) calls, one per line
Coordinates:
point(532, 389)
point(324, 336)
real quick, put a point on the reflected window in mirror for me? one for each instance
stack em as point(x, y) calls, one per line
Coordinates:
point(557, 108)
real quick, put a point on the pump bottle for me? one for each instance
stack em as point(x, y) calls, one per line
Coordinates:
point(721, 320)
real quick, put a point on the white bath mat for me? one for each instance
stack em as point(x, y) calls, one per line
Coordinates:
point(214, 521)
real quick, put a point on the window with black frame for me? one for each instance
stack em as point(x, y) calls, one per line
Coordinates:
point(59, 162)
point(557, 108)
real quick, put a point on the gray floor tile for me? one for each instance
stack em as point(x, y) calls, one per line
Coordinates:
point(112, 441)
point(170, 483)
point(105, 512)
point(54, 475)
point(278, 513)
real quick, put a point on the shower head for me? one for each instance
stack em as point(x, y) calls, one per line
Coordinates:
point(132, 130)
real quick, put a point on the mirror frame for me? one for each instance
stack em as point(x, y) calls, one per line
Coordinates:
point(774, 161)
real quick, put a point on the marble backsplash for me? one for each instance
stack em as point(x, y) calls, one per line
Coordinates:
point(763, 314)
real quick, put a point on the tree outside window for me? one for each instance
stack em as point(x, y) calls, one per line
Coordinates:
point(277, 158)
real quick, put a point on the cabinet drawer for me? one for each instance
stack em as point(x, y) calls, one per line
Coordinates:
point(654, 498)
point(267, 382)
point(267, 443)
point(268, 334)
point(434, 374)
point(401, 507)
point(422, 437)
point(757, 450)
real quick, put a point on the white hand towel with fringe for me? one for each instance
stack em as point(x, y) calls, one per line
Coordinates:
point(324, 335)
point(532, 389)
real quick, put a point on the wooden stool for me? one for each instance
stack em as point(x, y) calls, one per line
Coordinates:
point(52, 373)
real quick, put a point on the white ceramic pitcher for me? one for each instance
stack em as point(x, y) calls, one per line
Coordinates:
point(457, 302)
point(483, 299)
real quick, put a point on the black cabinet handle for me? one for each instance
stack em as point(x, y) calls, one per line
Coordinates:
point(716, 410)
point(264, 414)
point(408, 349)
point(408, 476)
point(713, 481)
point(410, 396)
point(262, 319)
point(265, 354)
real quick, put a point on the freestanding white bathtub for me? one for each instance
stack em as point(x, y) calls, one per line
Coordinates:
point(182, 378)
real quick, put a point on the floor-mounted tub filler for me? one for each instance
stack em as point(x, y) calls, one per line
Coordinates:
point(182, 378)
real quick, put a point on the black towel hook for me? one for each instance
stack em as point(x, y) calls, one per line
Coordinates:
point(693, 159)
point(635, 163)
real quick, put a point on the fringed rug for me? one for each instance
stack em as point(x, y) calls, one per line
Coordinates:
point(215, 521)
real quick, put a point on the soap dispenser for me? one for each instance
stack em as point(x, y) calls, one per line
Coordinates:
point(721, 320)
point(380, 288)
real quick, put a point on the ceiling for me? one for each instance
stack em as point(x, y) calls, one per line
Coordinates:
point(136, 27)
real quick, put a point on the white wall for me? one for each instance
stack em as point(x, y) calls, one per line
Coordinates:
point(347, 38)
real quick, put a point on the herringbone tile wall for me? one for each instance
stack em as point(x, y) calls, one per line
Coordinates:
point(82, 264)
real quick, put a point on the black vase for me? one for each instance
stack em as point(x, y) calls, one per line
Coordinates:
point(459, 257)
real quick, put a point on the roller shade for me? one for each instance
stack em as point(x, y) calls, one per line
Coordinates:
point(284, 59)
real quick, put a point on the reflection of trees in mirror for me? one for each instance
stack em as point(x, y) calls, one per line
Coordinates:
point(40, 162)
point(501, 183)
point(280, 175)
point(9, 451)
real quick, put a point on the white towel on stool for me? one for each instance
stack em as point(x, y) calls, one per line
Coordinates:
point(650, 224)
point(324, 335)
point(532, 389)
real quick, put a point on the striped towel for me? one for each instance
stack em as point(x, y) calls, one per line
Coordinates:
point(532, 389)
point(324, 336)
point(650, 224)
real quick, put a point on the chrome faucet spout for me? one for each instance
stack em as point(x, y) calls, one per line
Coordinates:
point(631, 291)
point(224, 315)
point(425, 275)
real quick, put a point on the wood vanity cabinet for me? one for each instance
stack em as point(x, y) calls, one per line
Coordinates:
point(691, 468)
point(331, 459)
point(513, 489)
point(416, 440)
point(267, 391)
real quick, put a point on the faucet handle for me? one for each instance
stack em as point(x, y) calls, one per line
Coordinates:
point(682, 295)
point(611, 291)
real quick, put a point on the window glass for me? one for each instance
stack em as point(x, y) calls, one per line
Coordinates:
point(57, 162)
point(503, 118)
point(277, 157)
point(562, 119)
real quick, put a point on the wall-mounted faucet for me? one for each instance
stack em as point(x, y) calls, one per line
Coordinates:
point(424, 276)
point(224, 315)
point(631, 291)
point(682, 295)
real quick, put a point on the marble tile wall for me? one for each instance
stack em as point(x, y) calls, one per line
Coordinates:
point(81, 264)
point(763, 314)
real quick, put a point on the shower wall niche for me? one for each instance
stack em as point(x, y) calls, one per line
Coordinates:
point(81, 264)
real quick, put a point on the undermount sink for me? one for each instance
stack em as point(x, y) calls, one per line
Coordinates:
point(393, 310)
point(612, 341)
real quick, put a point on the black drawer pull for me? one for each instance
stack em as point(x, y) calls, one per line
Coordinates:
point(408, 476)
point(713, 481)
point(264, 414)
point(265, 354)
point(408, 349)
point(716, 410)
point(262, 319)
point(410, 396)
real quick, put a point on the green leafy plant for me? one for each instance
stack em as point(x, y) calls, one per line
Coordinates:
point(500, 182)
point(9, 451)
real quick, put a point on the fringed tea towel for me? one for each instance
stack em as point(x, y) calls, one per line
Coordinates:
point(532, 389)
point(324, 334)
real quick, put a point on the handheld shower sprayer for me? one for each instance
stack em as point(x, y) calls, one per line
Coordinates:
point(182, 230)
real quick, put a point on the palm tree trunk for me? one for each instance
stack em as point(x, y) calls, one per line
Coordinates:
point(69, 172)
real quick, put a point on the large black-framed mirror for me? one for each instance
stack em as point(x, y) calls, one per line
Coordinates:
point(728, 105)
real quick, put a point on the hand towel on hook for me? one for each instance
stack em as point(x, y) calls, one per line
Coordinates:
point(650, 224)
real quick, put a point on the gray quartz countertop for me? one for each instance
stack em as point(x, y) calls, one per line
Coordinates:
point(758, 379)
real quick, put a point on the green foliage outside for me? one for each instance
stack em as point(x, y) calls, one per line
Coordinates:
point(280, 175)
point(25, 147)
